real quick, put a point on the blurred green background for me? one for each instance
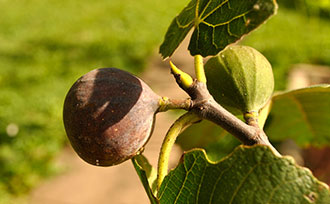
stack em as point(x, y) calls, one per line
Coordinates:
point(46, 45)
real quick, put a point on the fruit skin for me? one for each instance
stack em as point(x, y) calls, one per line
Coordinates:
point(240, 78)
point(108, 116)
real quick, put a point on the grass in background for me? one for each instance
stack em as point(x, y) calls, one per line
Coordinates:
point(44, 47)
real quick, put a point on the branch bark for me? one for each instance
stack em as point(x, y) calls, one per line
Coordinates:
point(204, 105)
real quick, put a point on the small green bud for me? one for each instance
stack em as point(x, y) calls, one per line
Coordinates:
point(240, 78)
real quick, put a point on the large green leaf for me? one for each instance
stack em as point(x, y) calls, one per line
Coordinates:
point(217, 23)
point(302, 115)
point(249, 175)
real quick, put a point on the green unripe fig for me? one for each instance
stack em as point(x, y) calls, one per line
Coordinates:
point(108, 116)
point(240, 78)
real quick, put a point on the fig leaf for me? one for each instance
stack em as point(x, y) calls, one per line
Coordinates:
point(249, 175)
point(216, 23)
point(304, 114)
point(147, 175)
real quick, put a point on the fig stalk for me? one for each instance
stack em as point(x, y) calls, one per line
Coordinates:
point(166, 104)
point(184, 121)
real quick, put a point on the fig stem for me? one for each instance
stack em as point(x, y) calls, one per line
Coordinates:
point(199, 69)
point(184, 121)
point(251, 118)
point(263, 114)
point(166, 104)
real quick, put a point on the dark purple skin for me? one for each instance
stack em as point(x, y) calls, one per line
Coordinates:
point(108, 116)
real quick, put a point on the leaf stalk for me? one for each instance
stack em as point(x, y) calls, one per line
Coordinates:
point(184, 121)
point(199, 69)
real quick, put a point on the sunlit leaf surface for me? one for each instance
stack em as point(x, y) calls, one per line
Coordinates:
point(302, 115)
point(248, 175)
point(216, 24)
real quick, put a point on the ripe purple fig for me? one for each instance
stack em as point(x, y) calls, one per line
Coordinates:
point(108, 116)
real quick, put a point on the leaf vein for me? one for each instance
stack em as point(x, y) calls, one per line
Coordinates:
point(182, 26)
point(207, 5)
point(216, 8)
point(165, 187)
point(218, 179)
point(304, 114)
point(200, 185)
point(278, 185)
point(185, 179)
point(196, 9)
point(242, 181)
point(227, 22)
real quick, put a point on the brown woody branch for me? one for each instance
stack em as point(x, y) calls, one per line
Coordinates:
point(206, 107)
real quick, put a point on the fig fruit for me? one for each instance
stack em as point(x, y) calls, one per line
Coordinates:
point(240, 78)
point(108, 116)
